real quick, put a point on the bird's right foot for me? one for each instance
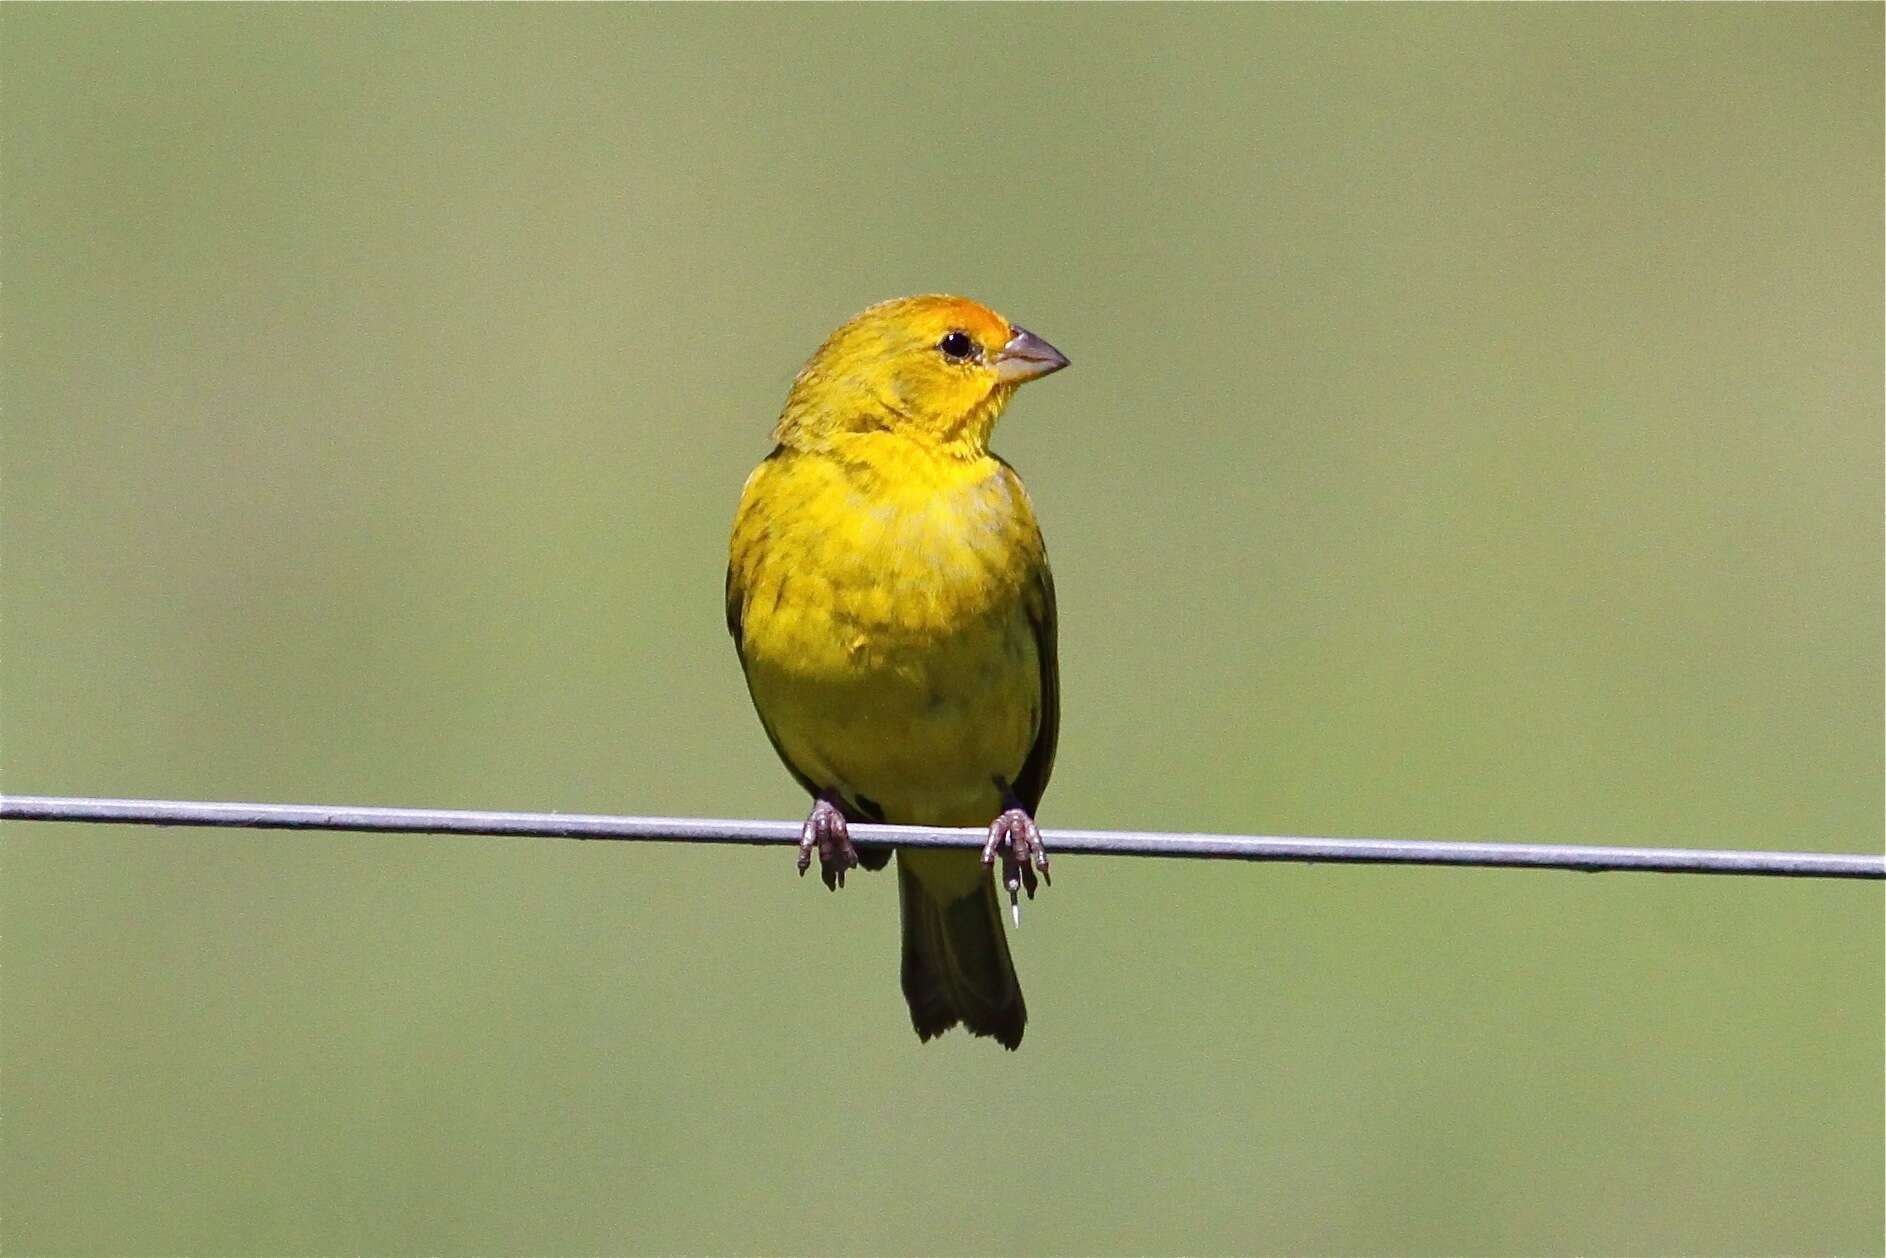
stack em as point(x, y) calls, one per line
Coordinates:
point(826, 832)
point(1016, 839)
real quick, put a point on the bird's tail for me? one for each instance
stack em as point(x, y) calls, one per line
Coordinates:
point(956, 959)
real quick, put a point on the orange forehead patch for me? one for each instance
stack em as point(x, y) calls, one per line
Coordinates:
point(974, 318)
point(940, 313)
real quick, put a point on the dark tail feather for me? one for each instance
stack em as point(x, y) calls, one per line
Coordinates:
point(956, 963)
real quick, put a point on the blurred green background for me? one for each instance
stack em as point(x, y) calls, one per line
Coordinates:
point(1475, 432)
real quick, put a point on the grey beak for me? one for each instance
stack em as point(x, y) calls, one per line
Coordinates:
point(1026, 357)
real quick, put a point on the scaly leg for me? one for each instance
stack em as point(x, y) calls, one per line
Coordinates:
point(1016, 838)
point(825, 830)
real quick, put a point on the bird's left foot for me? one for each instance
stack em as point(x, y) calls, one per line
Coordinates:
point(825, 831)
point(1017, 840)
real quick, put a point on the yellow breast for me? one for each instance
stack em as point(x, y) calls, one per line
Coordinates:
point(884, 625)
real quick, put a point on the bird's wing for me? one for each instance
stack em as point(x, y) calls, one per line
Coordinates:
point(1039, 604)
point(736, 616)
point(736, 590)
point(736, 598)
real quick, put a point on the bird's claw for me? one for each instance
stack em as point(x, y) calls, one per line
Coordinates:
point(825, 831)
point(1017, 840)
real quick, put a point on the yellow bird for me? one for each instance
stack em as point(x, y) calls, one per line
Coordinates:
point(889, 595)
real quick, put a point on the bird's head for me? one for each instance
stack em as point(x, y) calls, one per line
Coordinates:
point(935, 369)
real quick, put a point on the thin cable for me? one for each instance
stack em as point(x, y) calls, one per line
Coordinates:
point(1590, 859)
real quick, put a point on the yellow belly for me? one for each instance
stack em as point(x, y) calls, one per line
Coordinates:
point(920, 732)
point(887, 644)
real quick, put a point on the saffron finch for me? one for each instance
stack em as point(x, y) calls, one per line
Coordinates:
point(889, 595)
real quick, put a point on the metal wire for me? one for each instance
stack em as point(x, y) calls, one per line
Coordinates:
point(1591, 859)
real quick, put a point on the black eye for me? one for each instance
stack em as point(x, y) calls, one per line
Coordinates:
point(958, 346)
